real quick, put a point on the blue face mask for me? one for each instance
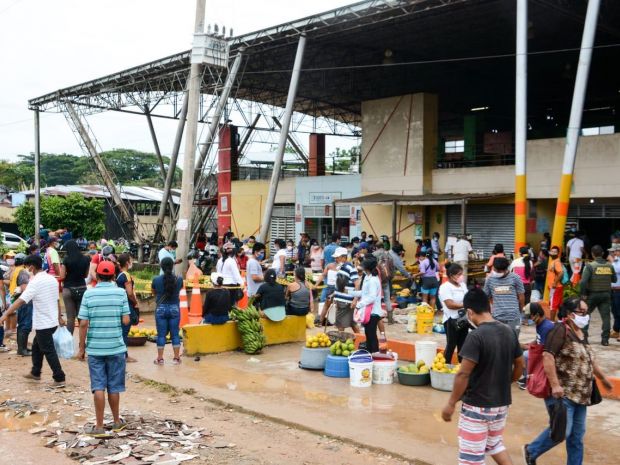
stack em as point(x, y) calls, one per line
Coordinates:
point(261, 256)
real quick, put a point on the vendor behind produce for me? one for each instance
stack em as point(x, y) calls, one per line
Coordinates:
point(270, 297)
point(217, 303)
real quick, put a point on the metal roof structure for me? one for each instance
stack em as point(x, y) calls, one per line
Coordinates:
point(128, 193)
point(461, 49)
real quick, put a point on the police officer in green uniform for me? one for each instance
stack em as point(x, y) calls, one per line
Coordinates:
point(596, 289)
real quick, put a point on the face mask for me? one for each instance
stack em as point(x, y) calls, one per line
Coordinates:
point(581, 321)
point(290, 247)
point(496, 274)
point(460, 279)
point(616, 258)
point(260, 256)
point(10, 262)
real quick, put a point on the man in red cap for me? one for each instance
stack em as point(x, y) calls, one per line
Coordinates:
point(103, 309)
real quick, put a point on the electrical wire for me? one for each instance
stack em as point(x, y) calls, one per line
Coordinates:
point(436, 61)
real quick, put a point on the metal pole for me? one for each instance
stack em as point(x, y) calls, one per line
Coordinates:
point(187, 186)
point(170, 174)
point(333, 216)
point(246, 137)
point(521, 128)
point(37, 177)
point(463, 216)
point(286, 122)
point(160, 160)
point(574, 125)
point(219, 109)
point(394, 215)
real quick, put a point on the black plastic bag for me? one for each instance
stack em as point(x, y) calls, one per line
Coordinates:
point(557, 421)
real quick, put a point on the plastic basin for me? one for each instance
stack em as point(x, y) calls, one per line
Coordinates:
point(336, 366)
point(313, 359)
point(443, 381)
point(414, 379)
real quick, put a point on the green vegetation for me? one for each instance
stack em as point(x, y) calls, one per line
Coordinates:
point(343, 160)
point(82, 216)
point(131, 167)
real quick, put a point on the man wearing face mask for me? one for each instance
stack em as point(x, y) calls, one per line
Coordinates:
point(614, 256)
point(595, 289)
point(254, 271)
point(507, 294)
point(492, 361)
point(42, 290)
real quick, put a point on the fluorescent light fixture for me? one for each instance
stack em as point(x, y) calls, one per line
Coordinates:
point(479, 108)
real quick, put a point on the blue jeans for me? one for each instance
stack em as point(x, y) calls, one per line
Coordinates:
point(1, 335)
point(526, 357)
point(215, 319)
point(24, 318)
point(167, 318)
point(575, 431)
point(327, 290)
point(107, 372)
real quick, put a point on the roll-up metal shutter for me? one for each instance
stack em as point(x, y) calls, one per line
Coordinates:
point(282, 224)
point(487, 224)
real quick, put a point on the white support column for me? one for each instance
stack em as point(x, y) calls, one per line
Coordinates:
point(286, 123)
point(189, 156)
point(521, 128)
point(37, 177)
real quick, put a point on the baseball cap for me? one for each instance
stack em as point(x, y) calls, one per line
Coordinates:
point(339, 252)
point(215, 276)
point(105, 268)
point(614, 248)
point(228, 246)
point(363, 245)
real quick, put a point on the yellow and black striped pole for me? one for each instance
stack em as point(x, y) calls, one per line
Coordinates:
point(574, 126)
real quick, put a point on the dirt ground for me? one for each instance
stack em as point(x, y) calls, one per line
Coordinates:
point(248, 439)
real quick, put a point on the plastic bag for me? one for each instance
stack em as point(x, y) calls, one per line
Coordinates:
point(63, 342)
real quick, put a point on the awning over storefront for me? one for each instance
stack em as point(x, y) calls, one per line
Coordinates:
point(430, 199)
point(395, 200)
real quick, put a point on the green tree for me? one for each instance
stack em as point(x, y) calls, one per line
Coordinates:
point(82, 216)
point(343, 160)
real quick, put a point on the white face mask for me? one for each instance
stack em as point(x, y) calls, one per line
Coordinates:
point(471, 323)
point(496, 274)
point(290, 247)
point(10, 261)
point(581, 321)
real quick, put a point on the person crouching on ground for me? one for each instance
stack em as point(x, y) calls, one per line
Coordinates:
point(492, 360)
point(218, 303)
point(103, 311)
point(167, 288)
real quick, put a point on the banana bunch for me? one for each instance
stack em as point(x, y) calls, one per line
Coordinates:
point(250, 328)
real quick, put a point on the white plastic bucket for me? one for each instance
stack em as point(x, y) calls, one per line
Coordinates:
point(383, 371)
point(360, 369)
point(425, 350)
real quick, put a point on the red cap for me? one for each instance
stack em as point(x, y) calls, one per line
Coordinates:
point(105, 268)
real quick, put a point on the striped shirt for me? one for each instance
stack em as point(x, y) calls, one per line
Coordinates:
point(348, 270)
point(103, 306)
point(342, 297)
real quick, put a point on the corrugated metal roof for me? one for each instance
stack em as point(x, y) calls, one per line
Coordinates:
point(129, 193)
point(430, 199)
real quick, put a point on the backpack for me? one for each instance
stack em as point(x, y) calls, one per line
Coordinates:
point(385, 266)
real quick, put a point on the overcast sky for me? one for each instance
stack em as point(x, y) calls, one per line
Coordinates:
point(46, 45)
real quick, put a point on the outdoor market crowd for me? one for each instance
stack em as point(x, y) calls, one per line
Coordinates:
point(481, 322)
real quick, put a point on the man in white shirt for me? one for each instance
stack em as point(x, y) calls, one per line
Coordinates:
point(461, 251)
point(42, 290)
point(576, 249)
point(169, 251)
point(254, 270)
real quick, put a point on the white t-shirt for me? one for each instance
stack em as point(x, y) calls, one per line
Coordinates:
point(575, 245)
point(253, 268)
point(461, 250)
point(448, 291)
point(276, 260)
point(230, 272)
point(42, 290)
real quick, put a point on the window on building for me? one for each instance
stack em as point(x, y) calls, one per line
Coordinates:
point(455, 146)
point(598, 131)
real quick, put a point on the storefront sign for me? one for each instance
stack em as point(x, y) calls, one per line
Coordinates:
point(321, 198)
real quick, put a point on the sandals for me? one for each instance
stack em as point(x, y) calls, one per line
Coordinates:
point(97, 432)
point(158, 361)
point(120, 426)
point(176, 361)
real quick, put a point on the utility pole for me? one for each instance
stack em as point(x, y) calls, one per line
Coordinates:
point(521, 129)
point(187, 188)
point(37, 178)
point(286, 123)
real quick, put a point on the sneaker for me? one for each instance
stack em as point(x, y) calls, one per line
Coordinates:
point(176, 361)
point(4, 348)
point(615, 335)
point(527, 457)
point(32, 377)
point(58, 384)
point(521, 385)
point(605, 343)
